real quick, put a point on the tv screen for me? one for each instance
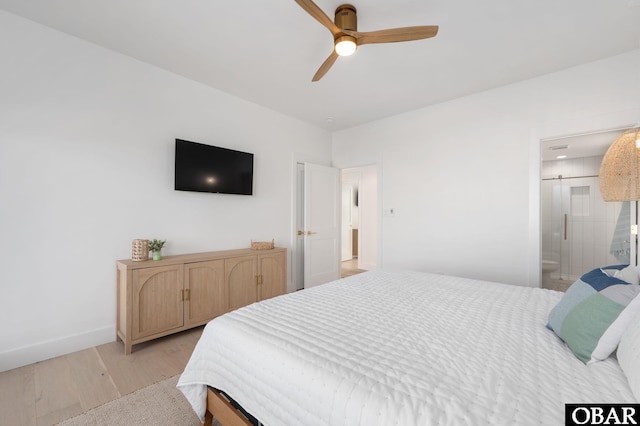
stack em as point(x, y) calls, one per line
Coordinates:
point(206, 168)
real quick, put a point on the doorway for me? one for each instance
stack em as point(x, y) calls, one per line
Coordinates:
point(364, 193)
point(359, 224)
point(580, 231)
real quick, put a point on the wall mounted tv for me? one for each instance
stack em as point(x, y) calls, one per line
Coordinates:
point(206, 168)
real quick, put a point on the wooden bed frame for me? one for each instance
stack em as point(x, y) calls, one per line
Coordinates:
point(218, 406)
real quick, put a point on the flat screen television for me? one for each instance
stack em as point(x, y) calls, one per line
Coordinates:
point(206, 168)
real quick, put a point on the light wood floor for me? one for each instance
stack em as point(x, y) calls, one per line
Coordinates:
point(350, 267)
point(51, 391)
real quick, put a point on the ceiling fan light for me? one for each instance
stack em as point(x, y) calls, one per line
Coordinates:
point(345, 45)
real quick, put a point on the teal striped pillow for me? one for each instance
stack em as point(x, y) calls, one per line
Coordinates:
point(594, 313)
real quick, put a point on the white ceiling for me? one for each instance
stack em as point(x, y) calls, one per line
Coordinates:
point(578, 146)
point(267, 51)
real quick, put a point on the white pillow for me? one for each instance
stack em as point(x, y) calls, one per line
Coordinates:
point(628, 274)
point(611, 337)
point(629, 355)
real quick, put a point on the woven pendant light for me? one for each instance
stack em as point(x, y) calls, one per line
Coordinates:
point(620, 168)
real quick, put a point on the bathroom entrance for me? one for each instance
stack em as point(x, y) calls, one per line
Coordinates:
point(580, 231)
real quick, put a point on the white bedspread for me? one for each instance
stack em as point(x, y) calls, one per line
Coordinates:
point(398, 348)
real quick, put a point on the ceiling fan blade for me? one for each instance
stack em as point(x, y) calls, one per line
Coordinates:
point(313, 10)
point(325, 66)
point(395, 34)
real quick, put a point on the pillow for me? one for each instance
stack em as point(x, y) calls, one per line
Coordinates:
point(629, 355)
point(593, 314)
point(628, 274)
point(612, 270)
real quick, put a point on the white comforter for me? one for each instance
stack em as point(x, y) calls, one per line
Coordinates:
point(398, 348)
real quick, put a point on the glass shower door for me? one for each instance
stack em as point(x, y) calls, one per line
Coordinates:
point(583, 231)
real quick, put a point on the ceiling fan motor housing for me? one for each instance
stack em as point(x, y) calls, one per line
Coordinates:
point(346, 18)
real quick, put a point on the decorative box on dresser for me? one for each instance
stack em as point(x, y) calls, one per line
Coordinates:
point(158, 298)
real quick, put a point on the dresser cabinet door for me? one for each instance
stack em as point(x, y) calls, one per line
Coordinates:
point(206, 295)
point(241, 275)
point(157, 300)
point(272, 271)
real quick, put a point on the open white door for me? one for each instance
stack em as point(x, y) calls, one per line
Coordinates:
point(321, 224)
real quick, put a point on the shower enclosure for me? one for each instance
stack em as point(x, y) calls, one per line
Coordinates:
point(580, 231)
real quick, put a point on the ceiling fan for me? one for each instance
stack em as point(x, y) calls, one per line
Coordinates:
point(346, 37)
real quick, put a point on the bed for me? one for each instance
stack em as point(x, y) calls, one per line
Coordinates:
point(400, 348)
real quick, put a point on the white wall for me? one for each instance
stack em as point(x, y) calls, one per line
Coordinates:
point(463, 177)
point(86, 165)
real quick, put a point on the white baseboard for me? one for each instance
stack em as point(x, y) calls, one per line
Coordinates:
point(26, 355)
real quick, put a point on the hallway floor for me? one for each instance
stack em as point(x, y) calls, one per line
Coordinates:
point(350, 267)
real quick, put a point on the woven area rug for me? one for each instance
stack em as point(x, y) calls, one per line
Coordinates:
point(157, 404)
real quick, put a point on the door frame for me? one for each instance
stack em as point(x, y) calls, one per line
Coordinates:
point(348, 177)
point(552, 131)
point(369, 217)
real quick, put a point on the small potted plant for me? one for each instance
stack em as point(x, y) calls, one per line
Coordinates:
point(155, 246)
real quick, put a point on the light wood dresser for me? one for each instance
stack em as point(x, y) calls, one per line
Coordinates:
point(158, 298)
